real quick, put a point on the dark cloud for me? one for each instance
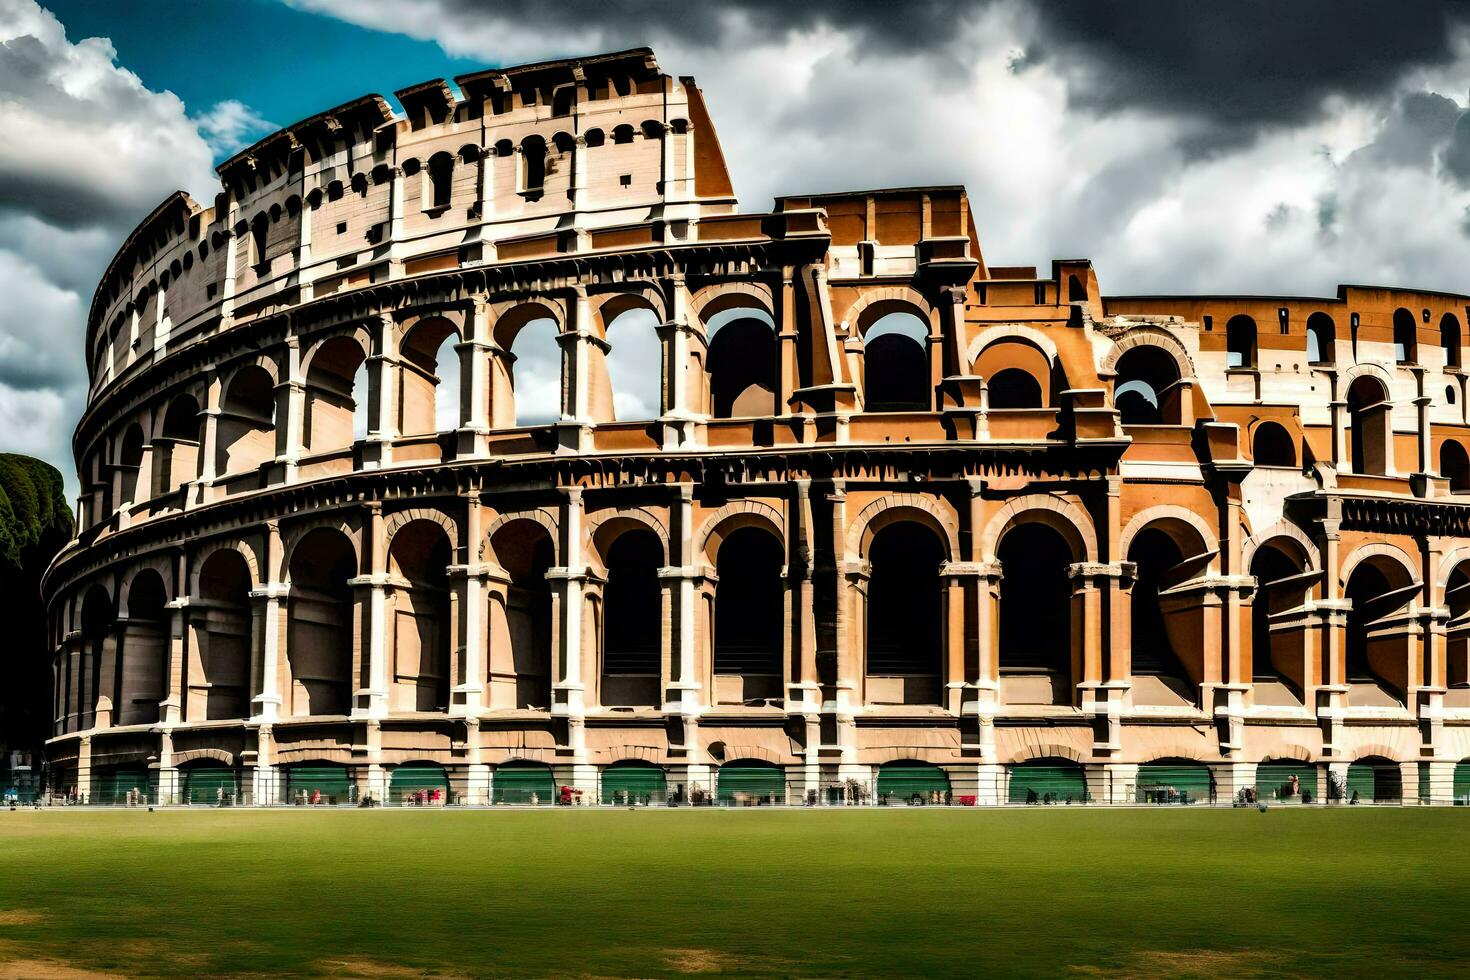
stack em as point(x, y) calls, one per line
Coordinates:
point(1455, 160)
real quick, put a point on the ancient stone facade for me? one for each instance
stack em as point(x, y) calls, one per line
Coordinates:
point(878, 506)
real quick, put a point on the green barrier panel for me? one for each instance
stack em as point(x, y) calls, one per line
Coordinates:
point(750, 782)
point(1173, 782)
point(900, 782)
point(1274, 781)
point(319, 785)
point(423, 784)
point(523, 784)
point(625, 784)
point(1374, 782)
point(1462, 784)
point(114, 786)
point(208, 785)
point(1425, 789)
point(1047, 783)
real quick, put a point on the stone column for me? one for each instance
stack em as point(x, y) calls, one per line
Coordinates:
point(382, 395)
point(475, 354)
point(371, 700)
point(574, 433)
point(468, 694)
point(170, 708)
point(269, 702)
point(1332, 694)
point(568, 691)
point(291, 412)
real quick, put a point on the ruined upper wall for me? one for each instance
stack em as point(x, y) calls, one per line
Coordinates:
point(358, 194)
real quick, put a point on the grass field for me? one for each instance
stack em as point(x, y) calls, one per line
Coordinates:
point(1036, 892)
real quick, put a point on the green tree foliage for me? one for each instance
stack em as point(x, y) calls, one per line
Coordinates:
point(35, 522)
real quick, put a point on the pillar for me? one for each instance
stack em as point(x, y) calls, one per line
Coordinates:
point(291, 412)
point(574, 430)
point(475, 354)
point(382, 395)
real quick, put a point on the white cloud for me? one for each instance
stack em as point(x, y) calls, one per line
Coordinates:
point(89, 150)
point(231, 126)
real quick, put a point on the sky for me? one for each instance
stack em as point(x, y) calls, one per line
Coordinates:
point(1240, 147)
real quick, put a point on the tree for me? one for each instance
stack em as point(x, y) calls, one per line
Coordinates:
point(35, 523)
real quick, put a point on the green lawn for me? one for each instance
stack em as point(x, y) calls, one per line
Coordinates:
point(1041, 892)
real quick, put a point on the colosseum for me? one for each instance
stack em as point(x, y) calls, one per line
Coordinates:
point(484, 452)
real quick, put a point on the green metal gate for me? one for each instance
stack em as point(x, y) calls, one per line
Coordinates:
point(1462, 783)
point(420, 784)
point(121, 785)
point(912, 782)
point(627, 783)
point(1047, 781)
point(1374, 780)
point(524, 783)
point(210, 785)
point(1174, 781)
point(1275, 783)
point(747, 782)
point(319, 785)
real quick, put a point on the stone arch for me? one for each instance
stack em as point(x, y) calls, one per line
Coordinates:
point(735, 753)
point(293, 537)
point(1045, 750)
point(545, 518)
point(1370, 749)
point(625, 752)
point(1281, 529)
point(1010, 332)
point(1171, 514)
point(510, 317)
point(198, 755)
point(893, 507)
point(1447, 565)
point(356, 332)
point(1290, 750)
point(613, 305)
point(1375, 371)
point(265, 362)
point(603, 531)
point(524, 753)
point(900, 754)
point(1379, 548)
point(160, 565)
point(395, 522)
point(1172, 750)
point(1073, 522)
point(734, 515)
point(1147, 336)
point(874, 304)
point(711, 300)
point(457, 317)
point(238, 545)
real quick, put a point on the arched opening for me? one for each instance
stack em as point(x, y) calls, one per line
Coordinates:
point(122, 785)
point(632, 620)
point(176, 450)
point(750, 617)
point(1047, 781)
point(422, 616)
point(429, 388)
point(1175, 781)
point(1457, 638)
point(905, 647)
point(1281, 670)
point(896, 364)
point(912, 782)
point(1076, 292)
point(1321, 339)
point(1454, 465)
point(634, 783)
point(1014, 388)
point(533, 165)
point(1405, 337)
point(97, 625)
point(1379, 631)
point(331, 395)
point(1146, 388)
point(1167, 630)
point(142, 661)
point(634, 367)
point(259, 230)
point(750, 782)
point(219, 684)
point(246, 426)
point(1449, 339)
point(520, 618)
point(535, 373)
point(129, 464)
point(1272, 445)
point(1375, 780)
point(1370, 426)
point(1036, 663)
point(321, 625)
point(1240, 342)
point(742, 365)
point(1286, 781)
point(419, 784)
point(440, 173)
point(521, 783)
